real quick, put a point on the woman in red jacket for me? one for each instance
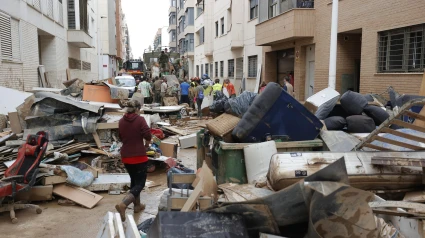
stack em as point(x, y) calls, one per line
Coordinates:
point(132, 130)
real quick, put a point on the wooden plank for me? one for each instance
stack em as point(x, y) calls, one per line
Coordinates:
point(14, 122)
point(175, 130)
point(408, 125)
point(414, 115)
point(78, 195)
point(394, 161)
point(397, 143)
point(190, 203)
point(68, 75)
point(376, 147)
point(50, 180)
point(416, 196)
point(177, 203)
point(6, 138)
point(97, 140)
point(14, 143)
point(104, 126)
point(418, 207)
point(404, 135)
point(397, 213)
point(183, 178)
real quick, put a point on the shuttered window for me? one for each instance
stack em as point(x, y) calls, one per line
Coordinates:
point(6, 37)
point(252, 66)
point(37, 4)
point(221, 68)
point(9, 38)
point(206, 69)
point(60, 12)
point(71, 14)
point(202, 69)
point(50, 8)
point(216, 69)
point(231, 68)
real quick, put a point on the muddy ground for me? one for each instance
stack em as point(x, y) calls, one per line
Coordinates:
point(76, 221)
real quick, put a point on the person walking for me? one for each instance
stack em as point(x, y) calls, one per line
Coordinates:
point(146, 90)
point(157, 89)
point(185, 92)
point(199, 91)
point(164, 87)
point(289, 87)
point(132, 130)
point(217, 87)
point(192, 94)
point(230, 88)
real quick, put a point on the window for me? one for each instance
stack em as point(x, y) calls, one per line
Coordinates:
point(272, 8)
point(189, 17)
point(221, 68)
point(402, 50)
point(200, 8)
point(50, 8)
point(172, 19)
point(216, 69)
point(190, 42)
point(173, 3)
point(172, 35)
point(60, 13)
point(231, 68)
point(71, 15)
point(202, 69)
point(212, 70)
point(216, 29)
point(252, 66)
point(197, 70)
point(206, 69)
point(253, 9)
point(182, 24)
point(10, 38)
point(84, 16)
point(201, 35)
point(222, 25)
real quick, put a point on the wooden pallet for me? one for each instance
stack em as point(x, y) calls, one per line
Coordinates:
point(395, 120)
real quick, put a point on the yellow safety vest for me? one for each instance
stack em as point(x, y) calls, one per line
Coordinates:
point(217, 87)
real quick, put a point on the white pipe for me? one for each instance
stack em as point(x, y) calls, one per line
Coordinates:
point(334, 39)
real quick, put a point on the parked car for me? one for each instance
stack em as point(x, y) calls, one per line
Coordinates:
point(128, 82)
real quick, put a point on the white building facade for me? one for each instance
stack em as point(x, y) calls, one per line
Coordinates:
point(225, 41)
point(58, 34)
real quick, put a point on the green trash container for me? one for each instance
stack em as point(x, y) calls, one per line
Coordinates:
point(230, 166)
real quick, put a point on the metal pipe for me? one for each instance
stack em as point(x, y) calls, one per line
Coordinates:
point(333, 50)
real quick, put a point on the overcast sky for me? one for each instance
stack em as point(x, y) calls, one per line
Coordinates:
point(144, 17)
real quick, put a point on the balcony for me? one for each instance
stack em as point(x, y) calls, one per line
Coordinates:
point(172, 27)
point(296, 23)
point(172, 9)
point(80, 39)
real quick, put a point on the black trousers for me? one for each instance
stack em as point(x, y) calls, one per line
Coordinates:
point(185, 99)
point(138, 174)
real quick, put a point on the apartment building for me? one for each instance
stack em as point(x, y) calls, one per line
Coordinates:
point(380, 44)
point(185, 10)
point(58, 34)
point(225, 41)
point(172, 25)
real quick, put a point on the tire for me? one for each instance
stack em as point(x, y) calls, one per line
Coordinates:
point(335, 123)
point(360, 124)
point(353, 103)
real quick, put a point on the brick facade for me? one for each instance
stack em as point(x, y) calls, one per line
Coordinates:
point(359, 24)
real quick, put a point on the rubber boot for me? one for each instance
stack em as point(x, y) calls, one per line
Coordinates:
point(129, 198)
point(138, 207)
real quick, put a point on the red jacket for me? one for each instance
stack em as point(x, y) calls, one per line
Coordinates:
point(132, 130)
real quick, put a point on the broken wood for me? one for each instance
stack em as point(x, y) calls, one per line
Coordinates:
point(422, 112)
point(14, 122)
point(190, 203)
point(395, 161)
point(97, 140)
point(177, 203)
point(51, 180)
point(416, 196)
point(78, 195)
point(104, 126)
point(417, 207)
point(15, 143)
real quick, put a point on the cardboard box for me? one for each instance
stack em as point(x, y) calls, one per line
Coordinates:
point(169, 149)
point(97, 93)
point(50, 180)
point(36, 193)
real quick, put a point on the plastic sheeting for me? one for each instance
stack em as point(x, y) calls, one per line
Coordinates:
point(77, 177)
point(239, 105)
point(219, 101)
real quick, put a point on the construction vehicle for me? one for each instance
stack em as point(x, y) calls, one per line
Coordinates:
point(135, 67)
point(152, 57)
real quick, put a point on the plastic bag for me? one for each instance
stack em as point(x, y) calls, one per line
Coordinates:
point(77, 177)
point(239, 105)
point(218, 103)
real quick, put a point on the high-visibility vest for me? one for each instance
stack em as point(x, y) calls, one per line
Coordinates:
point(217, 87)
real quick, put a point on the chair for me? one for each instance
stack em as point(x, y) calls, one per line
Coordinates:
point(21, 176)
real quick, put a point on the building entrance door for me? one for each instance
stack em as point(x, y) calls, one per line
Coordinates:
point(310, 81)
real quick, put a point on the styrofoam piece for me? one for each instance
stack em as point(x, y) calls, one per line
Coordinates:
point(257, 159)
point(187, 141)
point(323, 102)
point(14, 99)
point(106, 181)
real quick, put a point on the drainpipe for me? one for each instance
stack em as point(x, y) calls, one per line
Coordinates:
point(333, 51)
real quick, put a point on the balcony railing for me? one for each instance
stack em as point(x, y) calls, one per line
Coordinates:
point(287, 5)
